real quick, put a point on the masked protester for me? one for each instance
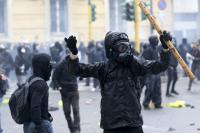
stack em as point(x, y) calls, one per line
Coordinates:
point(153, 81)
point(120, 105)
point(6, 60)
point(22, 64)
point(39, 119)
point(172, 74)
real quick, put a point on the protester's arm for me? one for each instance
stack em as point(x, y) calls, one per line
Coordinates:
point(56, 75)
point(79, 69)
point(143, 67)
point(84, 70)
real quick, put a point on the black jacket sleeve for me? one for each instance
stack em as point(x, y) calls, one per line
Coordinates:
point(142, 67)
point(56, 75)
point(39, 91)
point(85, 70)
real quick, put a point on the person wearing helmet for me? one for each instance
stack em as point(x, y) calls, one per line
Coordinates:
point(120, 105)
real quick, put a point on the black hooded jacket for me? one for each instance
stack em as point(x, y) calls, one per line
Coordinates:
point(120, 105)
point(62, 78)
point(38, 91)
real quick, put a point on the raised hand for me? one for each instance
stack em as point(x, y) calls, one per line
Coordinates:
point(166, 36)
point(71, 44)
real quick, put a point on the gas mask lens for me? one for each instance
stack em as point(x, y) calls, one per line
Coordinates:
point(122, 47)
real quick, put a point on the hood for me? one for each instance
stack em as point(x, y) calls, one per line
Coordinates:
point(41, 64)
point(111, 39)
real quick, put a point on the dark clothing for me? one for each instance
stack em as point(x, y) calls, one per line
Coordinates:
point(120, 105)
point(55, 54)
point(82, 50)
point(195, 64)
point(42, 66)
point(184, 48)
point(39, 91)
point(153, 82)
point(125, 130)
point(153, 91)
point(22, 64)
point(62, 78)
point(38, 99)
point(7, 63)
point(3, 87)
point(151, 53)
point(172, 74)
point(99, 55)
point(71, 100)
point(90, 54)
point(69, 92)
point(172, 78)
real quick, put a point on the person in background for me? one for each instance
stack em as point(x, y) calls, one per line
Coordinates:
point(68, 86)
point(82, 50)
point(172, 74)
point(3, 89)
point(22, 65)
point(90, 54)
point(184, 48)
point(153, 81)
point(6, 60)
point(195, 54)
point(55, 52)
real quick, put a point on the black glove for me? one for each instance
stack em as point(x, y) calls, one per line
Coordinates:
point(71, 44)
point(166, 36)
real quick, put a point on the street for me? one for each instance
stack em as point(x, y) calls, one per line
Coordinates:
point(176, 120)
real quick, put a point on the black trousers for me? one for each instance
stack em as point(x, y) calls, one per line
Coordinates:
point(172, 78)
point(125, 130)
point(71, 101)
point(153, 90)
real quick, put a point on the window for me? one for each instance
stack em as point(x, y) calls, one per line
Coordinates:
point(58, 16)
point(3, 13)
point(117, 23)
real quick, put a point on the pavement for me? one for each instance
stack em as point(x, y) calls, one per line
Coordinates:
point(168, 119)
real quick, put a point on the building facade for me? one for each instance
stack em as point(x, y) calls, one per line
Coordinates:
point(186, 16)
point(50, 20)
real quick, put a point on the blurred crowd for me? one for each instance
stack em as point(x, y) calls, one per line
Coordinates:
point(17, 57)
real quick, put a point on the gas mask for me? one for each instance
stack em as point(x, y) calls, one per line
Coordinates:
point(117, 47)
point(122, 52)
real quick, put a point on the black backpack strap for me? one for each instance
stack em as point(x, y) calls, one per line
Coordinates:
point(34, 80)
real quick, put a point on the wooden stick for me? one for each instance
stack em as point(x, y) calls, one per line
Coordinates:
point(169, 43)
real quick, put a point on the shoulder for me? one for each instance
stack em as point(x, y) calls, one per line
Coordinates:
point(39, 86)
